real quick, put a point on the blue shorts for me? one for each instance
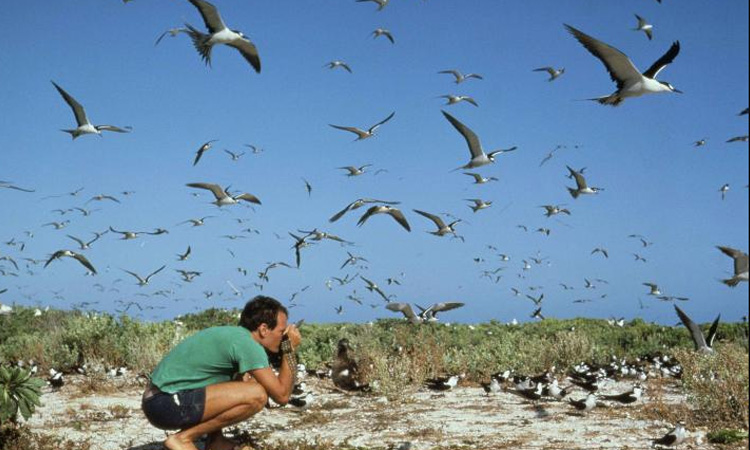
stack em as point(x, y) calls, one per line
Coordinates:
point(178, 411)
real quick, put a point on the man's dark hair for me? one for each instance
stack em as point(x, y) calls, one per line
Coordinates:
point(261, 310)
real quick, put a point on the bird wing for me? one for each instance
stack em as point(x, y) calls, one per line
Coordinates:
point(78, 110)
point(455, 73)
point(400, 218)
point(374, 127)
point(580, 180)
point(740, 259)
point(248, 198)
point(82, 259)
point(367, 215)
point(475, 147)
point(155, 272)
point(437, 220)
point(445, 306)
point(113, 128)
point(712, 331)
point(80, 242)
point(664, 61)
point(698, 339)
point(248, 50)
point(210, 14)
point(214, 188)
point(354, 130)
point(341, 213)
point(617, 63)
point(140, 280)
point(403, 308)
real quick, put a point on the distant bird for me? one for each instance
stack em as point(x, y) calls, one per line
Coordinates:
point(71, 254)
point(338, 63)
point(553, 73)
point(381, 3)
point(744, 138)
point(442, 228)
point(655, 291)
point(581, 186)
point(453, 99)
point(173, 32)
point(537, 314)
point(601, 250)
point(630, 82)
point(397, 215)
point(553, 210)
point(9, 185)
point(144, 281)
point(220, 34)
point(744, 112)
point(361, 134)
point(356, 204)
point(702, 343)
point(234, 156)
point(479, 204)
point(102, 197)
point(478, 157)
point(479, 179)
point(184, 256)
point(203, 148)
point(383, 32)
point(442, 383)
point(84, 125)
point(644, 26)
point(740, 266)
point(586, 404)
point(724, 189)
point(699, 143)
point(196, 222)
point(126, 235)
point(308, 187)
point(460, 78)
point(355, 171)
point(673, 438)
point(373, 287)
point(85, 245)
point(223, 197)
point(628, 397)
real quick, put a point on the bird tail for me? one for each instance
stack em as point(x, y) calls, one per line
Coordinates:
point(574, 192)
point(201, 43)
point(611, 100)
point(73, 133)
point(731, 282)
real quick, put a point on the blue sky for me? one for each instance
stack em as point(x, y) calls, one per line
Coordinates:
point(657, 184)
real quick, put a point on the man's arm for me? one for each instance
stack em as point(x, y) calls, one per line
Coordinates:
point(280, 387)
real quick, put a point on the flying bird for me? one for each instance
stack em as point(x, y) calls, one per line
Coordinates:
point(644, 26)
point(84, 125)
point(383, 32)
point(740, 266)
point(203, 148)
point(460, 78)
point(173, 32)
point(361, 134)
point(144, 281)
point(397, 215)
point(702, 343)
point(581, 186)
point(478, 156)
point(453, 99)
point(381, 3)
point(223, 197)
point(338, 63)
point(220, 34)
point(442, 228)
point(553, 73)
point(630, 82)
point(71, 254)
point(356, 204)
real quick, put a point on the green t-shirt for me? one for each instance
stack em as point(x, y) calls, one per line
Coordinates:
point(209, 356)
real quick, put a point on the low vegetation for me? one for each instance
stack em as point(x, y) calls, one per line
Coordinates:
point(397, 357)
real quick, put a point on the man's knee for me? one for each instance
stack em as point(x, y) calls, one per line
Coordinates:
point(258, 398)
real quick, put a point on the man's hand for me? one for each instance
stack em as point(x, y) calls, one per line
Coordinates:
point(295, 338)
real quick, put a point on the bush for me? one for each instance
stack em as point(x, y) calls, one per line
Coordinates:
point(19, 393)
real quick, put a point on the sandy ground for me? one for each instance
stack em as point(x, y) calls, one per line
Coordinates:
point(462, 418)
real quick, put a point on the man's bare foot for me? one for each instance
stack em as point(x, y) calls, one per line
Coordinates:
point(218, 441)
point(174, 442)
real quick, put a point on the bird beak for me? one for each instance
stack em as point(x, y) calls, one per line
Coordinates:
point(677, 91)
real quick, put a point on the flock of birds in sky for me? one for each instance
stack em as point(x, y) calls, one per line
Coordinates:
point(630, 83)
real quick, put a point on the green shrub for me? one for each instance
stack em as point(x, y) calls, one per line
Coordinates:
point(19, 393)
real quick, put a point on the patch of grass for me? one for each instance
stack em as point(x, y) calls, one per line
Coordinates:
point(21, 438)
point(727, 437)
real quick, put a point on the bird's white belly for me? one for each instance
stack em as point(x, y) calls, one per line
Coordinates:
point(224, 36)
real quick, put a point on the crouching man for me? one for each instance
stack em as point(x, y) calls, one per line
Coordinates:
point(191, 389)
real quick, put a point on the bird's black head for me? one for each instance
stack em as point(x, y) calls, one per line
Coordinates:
point(670, 87)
